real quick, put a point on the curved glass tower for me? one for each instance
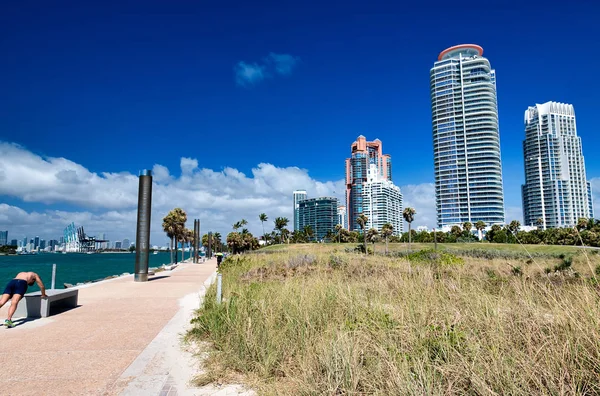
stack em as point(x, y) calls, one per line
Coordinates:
point(466, 141)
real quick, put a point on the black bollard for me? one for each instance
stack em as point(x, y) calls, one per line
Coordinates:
point(142, 239)
point(209, 253)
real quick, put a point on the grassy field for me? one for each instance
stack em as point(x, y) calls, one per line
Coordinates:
point(320, 319)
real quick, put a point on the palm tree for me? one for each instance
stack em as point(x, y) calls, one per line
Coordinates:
point(467, 225)
point(174, 226)
point(386, 231)
point(362, 221)
point(539, 222)
point(308, 231)
point(372, 236)
point(280, 224)
point(217, 240)
point(243, 222)
point(263, 217)
point(236, 226)
point(338, 229)
point(480, 226)
point(169, 228)
point(409, 216)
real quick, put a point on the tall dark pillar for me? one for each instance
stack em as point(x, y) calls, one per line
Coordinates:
point(142, 239)
point(209, 253)
point(196, 237)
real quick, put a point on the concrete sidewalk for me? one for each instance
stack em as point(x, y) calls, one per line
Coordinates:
point(87, 350)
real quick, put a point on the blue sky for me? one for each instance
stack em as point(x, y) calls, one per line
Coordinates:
point(115, 87)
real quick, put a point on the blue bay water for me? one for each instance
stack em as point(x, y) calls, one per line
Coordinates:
point(74, 267)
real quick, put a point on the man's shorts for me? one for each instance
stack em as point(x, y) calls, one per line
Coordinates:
point(16, 286)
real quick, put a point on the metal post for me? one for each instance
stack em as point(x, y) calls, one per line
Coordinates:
point(193, 247)
point(219, 281)
point(53, 276)
point(142, 239)
point(197, 242)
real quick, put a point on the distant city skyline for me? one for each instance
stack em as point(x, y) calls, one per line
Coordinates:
point(288, 88)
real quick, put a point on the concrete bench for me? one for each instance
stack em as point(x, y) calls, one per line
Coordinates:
point(32, 305)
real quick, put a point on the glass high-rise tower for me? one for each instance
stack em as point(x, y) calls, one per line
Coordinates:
point(466, 140)
point(299, 195)
point(556, 192)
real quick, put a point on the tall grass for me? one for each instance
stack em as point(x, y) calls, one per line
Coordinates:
point(298, 322)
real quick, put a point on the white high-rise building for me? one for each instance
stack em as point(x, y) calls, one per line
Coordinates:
point(342, 217)
point(466, 140)
point(381, 201)
point(299, 195)
point(556, 192)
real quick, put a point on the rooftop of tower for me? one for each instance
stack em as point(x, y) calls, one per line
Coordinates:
point(465, 49)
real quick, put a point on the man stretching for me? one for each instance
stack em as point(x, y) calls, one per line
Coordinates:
point(16, 289)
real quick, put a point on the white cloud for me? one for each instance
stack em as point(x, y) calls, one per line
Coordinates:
point(109, 200)
point(250, 74)
point(284, 63)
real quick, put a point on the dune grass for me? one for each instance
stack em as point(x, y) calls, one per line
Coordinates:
point(319, 320)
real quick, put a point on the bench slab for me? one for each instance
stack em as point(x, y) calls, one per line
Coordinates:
point(32, 305)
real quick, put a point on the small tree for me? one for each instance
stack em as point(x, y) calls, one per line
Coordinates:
point(362, 221)
point(263, 217)
point(409, 216)
point(372, 236)
point(387, 230)
point(480, 226)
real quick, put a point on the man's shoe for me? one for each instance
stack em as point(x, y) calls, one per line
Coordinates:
point(9, 323)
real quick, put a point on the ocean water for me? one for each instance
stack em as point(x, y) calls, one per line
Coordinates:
point(74, 267)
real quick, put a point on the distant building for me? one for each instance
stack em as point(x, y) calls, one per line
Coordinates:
point(117, 245)
point(42, 244)
point(3, 238)
point(363, 154)
point(556, 192)
point(369, 187)
point(382, 202)
point(299, 195)
point(342, 217)
point(318, 213)
point(14, 242)
point(125, 244)
point(36, 242)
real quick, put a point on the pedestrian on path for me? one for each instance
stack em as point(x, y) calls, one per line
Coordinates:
point(16, 289)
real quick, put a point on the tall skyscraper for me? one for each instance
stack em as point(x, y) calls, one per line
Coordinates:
point(14, 242)
point(556, 192)
point(318, 213)
point(3, 238)
point(299, 195)
point(125, 244)
point(466, 140)
point(369, 187)
point(36, 242)
point(42, 244)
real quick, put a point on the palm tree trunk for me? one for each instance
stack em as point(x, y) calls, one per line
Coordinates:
point(409, 237)
point(364, 240)
point(171, 250)
point(176, 252)
point(264, 235)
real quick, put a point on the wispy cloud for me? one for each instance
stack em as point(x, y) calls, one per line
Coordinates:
point(284, 63)
point(248, 74)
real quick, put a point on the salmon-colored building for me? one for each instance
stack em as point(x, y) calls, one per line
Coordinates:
point(365, 157)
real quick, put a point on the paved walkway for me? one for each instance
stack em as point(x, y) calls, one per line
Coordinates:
point(107, 343)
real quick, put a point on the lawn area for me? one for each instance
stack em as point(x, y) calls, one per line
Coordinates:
point(321, 319)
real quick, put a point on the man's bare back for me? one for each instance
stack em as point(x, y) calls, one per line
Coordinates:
point(29, 277)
